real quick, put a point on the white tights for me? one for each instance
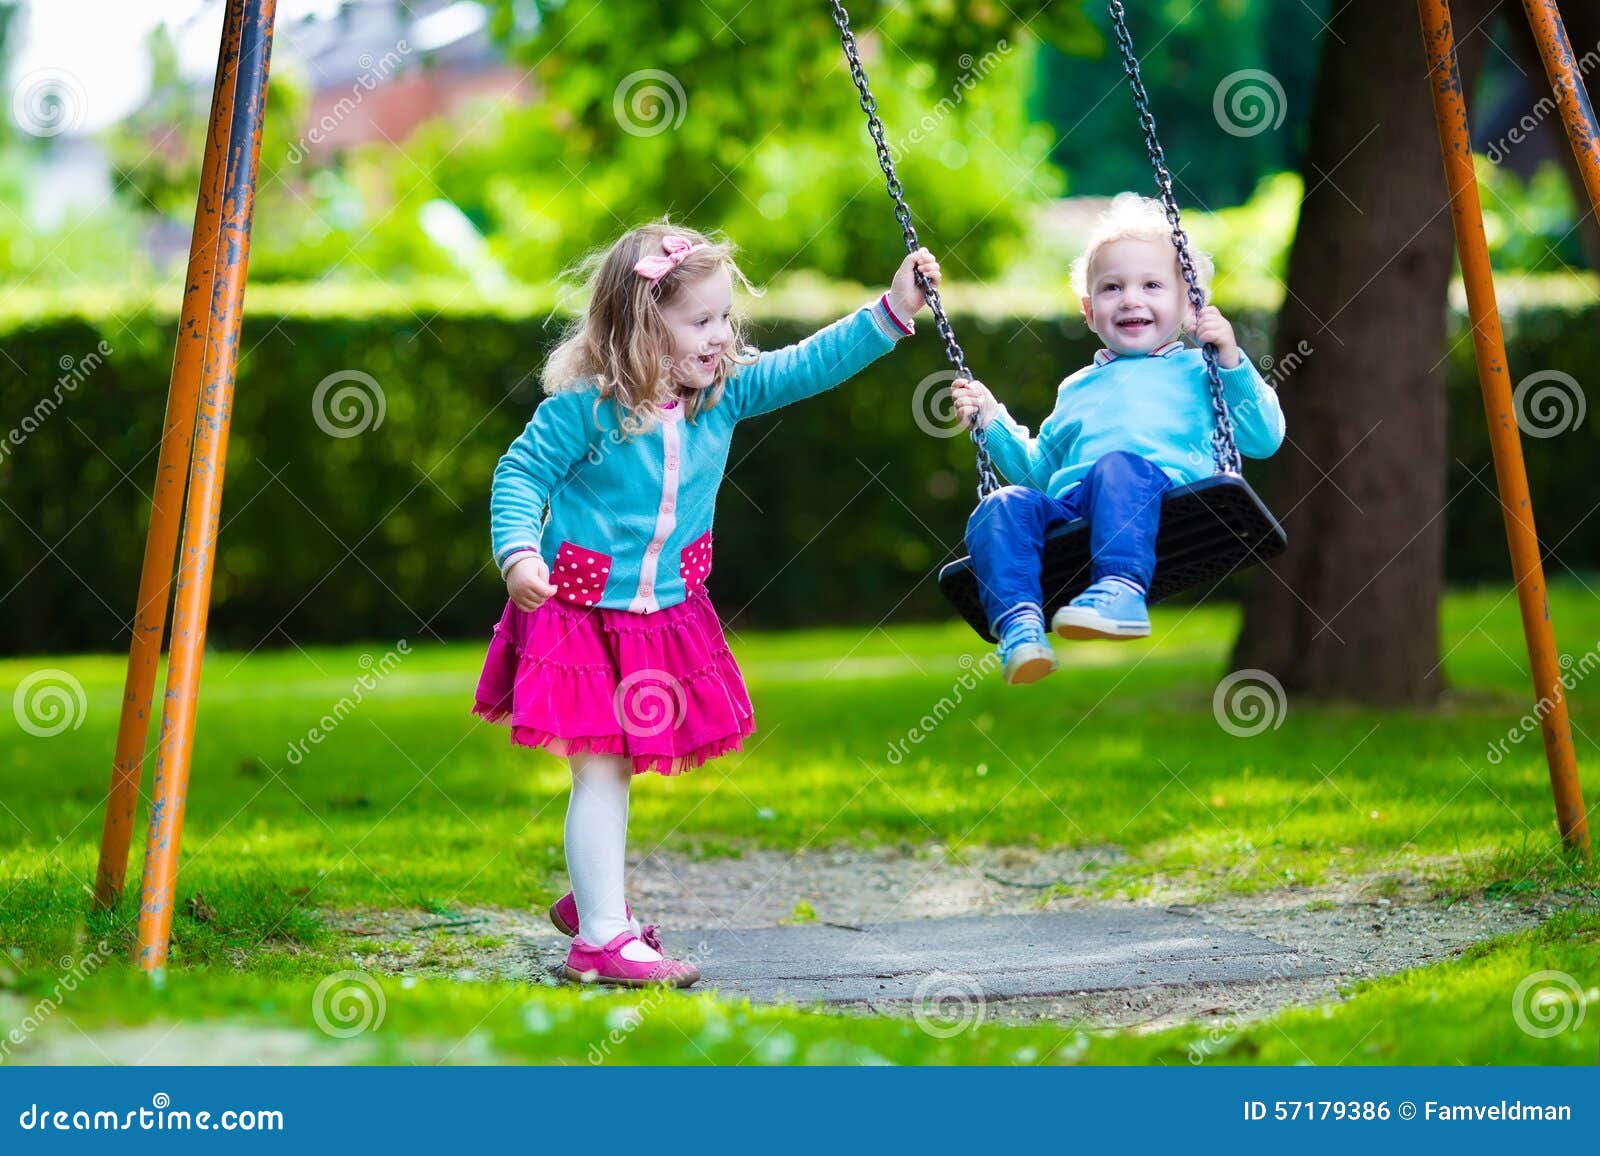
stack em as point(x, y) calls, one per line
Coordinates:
point(597, 845)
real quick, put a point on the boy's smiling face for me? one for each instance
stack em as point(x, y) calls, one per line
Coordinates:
point(1137, 298)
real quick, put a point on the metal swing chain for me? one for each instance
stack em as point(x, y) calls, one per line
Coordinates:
point(988, 480)
point(1224, 451)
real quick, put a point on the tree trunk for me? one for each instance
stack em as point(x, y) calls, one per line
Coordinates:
point(1351, 609)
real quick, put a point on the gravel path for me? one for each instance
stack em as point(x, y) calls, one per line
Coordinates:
point(1351, 928)
point(1354, 928)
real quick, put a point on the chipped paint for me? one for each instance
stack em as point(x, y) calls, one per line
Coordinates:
point(1450, 111)
point(199, 409)
point(1566, 83)
point(177, 438)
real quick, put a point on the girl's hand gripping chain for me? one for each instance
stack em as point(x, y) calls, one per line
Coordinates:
point(905, 295)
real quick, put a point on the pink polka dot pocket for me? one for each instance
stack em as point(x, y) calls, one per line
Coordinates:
point(694, 564)
point(580, 574)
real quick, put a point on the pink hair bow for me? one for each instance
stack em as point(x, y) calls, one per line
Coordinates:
point(653, 268)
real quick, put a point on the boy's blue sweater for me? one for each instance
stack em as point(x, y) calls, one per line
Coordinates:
point(1157, 406)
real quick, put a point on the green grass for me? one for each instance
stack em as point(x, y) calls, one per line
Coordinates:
point(412, 803)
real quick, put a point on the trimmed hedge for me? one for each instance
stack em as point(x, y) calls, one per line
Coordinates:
point(835, 511)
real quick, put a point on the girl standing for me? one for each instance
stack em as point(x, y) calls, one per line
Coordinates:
point(609, 652)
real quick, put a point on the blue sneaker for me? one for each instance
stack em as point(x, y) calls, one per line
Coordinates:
point(1110, 608)
point(1025, 652)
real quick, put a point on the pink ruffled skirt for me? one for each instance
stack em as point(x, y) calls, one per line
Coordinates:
point(662, 688)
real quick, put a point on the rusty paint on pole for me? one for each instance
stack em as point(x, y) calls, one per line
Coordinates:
point(1566, 82)
point(198, 552)
point(1450, 110)
point(161, 541)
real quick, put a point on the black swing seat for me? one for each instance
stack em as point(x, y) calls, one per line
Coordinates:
point(1209, 529)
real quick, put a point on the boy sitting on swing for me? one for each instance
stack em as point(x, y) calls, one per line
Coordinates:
point(1124, 430)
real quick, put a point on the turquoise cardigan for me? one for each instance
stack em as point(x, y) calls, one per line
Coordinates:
point(1157, 406)
point(625, 522)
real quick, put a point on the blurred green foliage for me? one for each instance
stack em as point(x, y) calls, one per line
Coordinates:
point(1531, 225)
point(1207, 67)
point(724, 115)
point(743, 118)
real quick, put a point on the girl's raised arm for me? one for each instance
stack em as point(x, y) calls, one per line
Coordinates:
point(840, 351)
point(825, 359)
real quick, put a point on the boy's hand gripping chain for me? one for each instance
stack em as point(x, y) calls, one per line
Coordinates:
point(1223, 450)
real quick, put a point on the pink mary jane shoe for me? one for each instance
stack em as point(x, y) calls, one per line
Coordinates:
point(564, 917)
point(587, 963)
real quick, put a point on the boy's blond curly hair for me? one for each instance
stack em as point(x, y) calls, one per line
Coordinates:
point(1131, 217)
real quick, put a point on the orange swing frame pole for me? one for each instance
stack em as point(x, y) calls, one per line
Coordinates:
point(161, 541)
point(200, 398)
point(1450, 110)
point(1566, 83)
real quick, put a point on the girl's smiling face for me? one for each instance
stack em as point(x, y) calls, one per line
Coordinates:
point(1137, 300)
point(699, 317)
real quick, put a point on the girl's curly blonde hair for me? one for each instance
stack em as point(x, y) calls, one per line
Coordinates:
point(622, 344)
point(1131, 217)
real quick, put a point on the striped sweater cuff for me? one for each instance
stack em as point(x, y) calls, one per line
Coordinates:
point(515, 555)
point(892, 326)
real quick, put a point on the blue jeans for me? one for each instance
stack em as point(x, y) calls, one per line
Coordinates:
point(1121, 498)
